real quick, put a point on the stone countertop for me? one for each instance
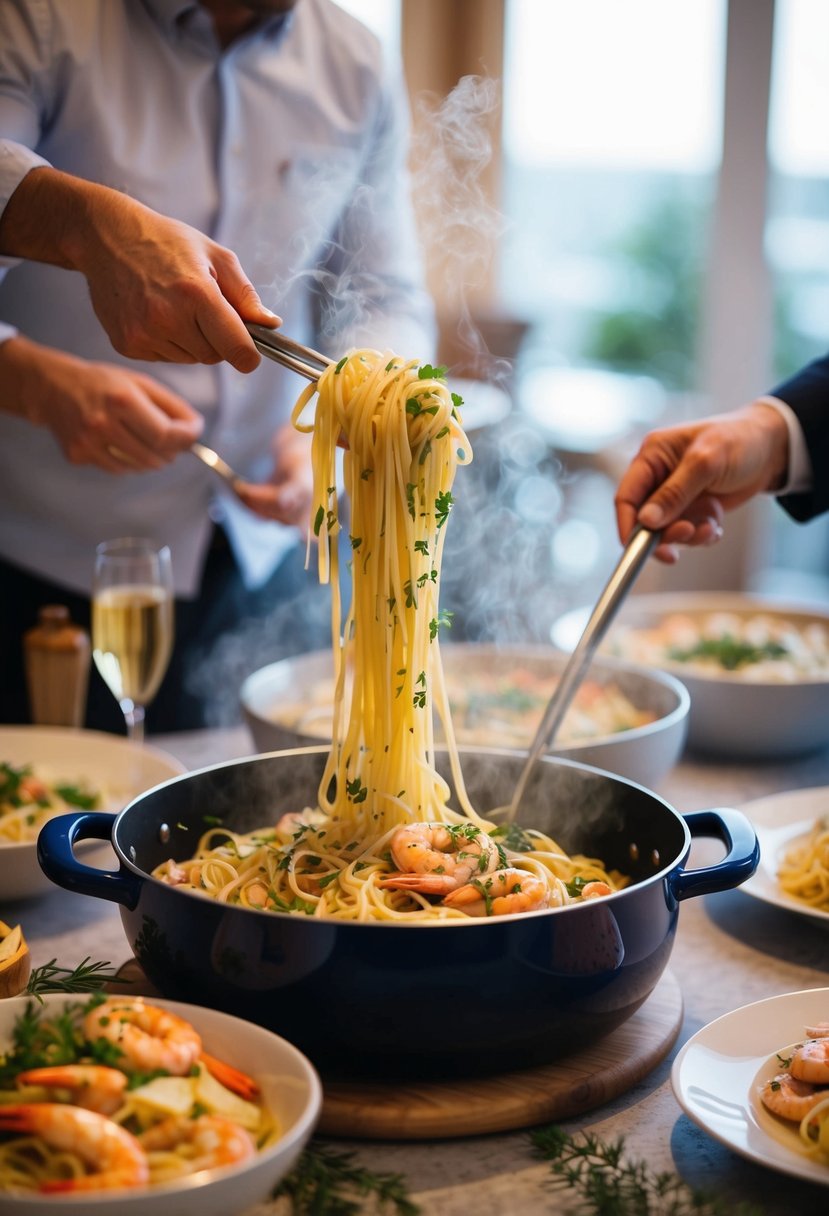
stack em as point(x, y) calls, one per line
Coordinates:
point(730, 950)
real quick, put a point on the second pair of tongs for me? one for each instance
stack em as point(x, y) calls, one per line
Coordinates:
point(273, 344)
point(639, 547)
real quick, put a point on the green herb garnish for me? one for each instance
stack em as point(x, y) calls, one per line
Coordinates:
point(427, 372)
point(513, 837)
point(728, 651)
point(609, 1185)
point(327, 1182)
point(86, 977)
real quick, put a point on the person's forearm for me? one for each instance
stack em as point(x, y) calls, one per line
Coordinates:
point(47, 216)
point(25, 372)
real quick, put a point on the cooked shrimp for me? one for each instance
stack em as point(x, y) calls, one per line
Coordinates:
point(92, 1086)
point(115, 1157)
point(208, 1141)
point(820, 1030)
point(436, 858)
point(153, 1038)
point(596, 890)
point(293, 822)
point(232, 1078)
point(810, 1062)
point(501, 893)
point(173, 874)
point(149, 1037)
point(789, 1098)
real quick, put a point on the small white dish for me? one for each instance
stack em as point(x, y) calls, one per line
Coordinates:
point(745, 714)
point(779, 820)
point(111, 763)
point(290, 1089)
point(717, 1076)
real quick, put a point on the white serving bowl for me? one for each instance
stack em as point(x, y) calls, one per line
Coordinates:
point(108, 762)
point(272, 697)
point(741, 714)
point(290, 1089)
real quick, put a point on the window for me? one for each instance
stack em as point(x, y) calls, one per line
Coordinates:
point(611, 146)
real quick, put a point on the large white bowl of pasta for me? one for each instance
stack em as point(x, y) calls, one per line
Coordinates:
point(208, 1142)
point(47, 771)
point(623, 719)
point(757, 669)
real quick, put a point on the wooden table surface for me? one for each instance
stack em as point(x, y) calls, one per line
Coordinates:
point(730, 950)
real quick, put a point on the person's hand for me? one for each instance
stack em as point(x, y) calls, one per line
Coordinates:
point(161, 289)
point(286, 496)
point(101, 414)
point(684, 478)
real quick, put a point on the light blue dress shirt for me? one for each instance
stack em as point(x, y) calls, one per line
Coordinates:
point(289, 148)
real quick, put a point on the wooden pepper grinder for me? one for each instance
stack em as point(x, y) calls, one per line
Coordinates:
point(57, 655)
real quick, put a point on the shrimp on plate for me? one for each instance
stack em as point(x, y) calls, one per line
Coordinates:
point(438, 858)
point(92, 1086)
point(810, 1061)
point(115, 1157)
point(499, 894)
point(789, 1098)
point(154, 1039)
point(149, 1037)
point(205, 1143)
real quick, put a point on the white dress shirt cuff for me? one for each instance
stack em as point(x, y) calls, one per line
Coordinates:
point(16, 161)
point(800, 478)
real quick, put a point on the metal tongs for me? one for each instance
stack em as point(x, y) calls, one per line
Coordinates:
point(641, 544)
point(274, 345)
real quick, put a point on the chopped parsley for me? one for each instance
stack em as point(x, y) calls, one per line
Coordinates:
point(728, 651)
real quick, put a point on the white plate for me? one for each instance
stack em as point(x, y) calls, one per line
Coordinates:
point(290, 1089)
point(778, 820)
point(717, 1075)
point(107, 762)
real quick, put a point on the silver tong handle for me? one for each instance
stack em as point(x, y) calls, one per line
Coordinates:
point(641, 544)
point(273, 344)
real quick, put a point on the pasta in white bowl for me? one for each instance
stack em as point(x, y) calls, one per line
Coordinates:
point(757, 669)
point(52, 770)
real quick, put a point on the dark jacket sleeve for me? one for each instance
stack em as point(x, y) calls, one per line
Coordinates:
point(807, 392)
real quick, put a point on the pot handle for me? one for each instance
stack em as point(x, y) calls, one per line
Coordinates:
point(56, 854)
point(739, 863)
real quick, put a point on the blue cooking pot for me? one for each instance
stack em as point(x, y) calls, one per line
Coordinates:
point(453, 998)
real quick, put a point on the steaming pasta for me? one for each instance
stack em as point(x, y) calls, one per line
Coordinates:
point(804, 871)
point(29, 798)
point(385, 845)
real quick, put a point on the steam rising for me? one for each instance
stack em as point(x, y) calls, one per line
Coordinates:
point(498, 574)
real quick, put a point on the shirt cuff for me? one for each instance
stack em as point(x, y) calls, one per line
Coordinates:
point(16, 160)
point(6, 332)
point(800, 477)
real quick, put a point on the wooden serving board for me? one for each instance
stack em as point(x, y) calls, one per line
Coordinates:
point(439, 1110)
point(427, 1110)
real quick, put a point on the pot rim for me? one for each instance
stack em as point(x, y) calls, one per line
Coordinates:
point(353, 925)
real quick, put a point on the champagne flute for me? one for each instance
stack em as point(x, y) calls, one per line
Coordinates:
point(132, 622)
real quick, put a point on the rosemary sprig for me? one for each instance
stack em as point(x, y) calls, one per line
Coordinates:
point(326, 1182)
point(609, 1185)
point(86, 977)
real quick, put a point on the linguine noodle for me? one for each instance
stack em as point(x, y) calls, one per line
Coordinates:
point(404, 440)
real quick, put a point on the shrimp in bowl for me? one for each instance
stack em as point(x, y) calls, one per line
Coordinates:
point(109, 1103)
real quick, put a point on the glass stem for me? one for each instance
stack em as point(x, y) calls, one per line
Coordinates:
point(135, 723)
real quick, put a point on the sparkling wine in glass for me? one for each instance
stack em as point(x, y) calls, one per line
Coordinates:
point(132, 622)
